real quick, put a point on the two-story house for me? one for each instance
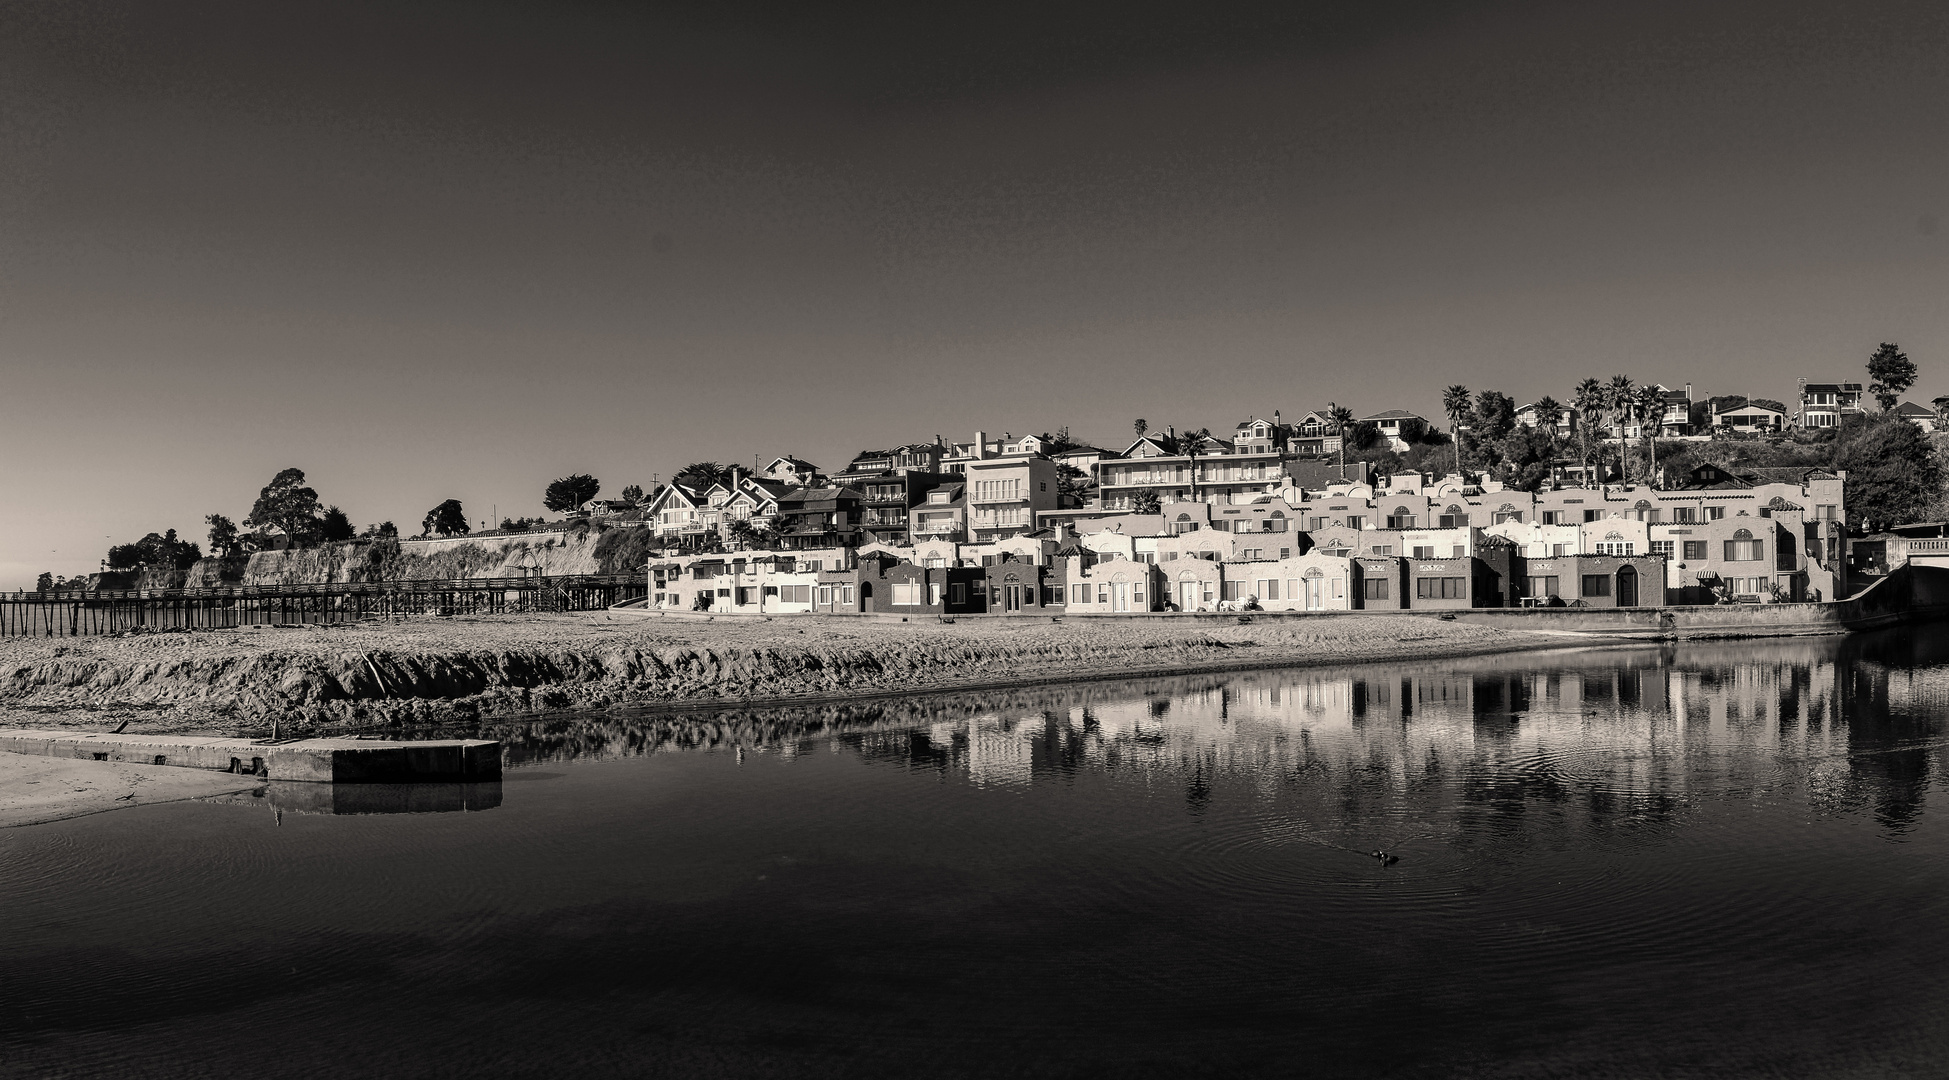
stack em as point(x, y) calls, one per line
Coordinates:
point(1824, 404)
point(1398, 426)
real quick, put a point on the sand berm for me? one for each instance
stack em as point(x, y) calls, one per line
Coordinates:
point(438, 670)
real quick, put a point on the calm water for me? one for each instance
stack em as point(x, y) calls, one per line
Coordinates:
point(1701, 862)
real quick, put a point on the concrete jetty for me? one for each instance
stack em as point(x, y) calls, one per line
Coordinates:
point(367, 761)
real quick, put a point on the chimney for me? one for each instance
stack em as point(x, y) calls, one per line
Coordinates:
point(981, 445)
point(1688, 391)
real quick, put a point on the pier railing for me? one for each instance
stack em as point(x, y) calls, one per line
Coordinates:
point(76, 613)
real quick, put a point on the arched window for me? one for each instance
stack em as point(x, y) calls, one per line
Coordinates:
point(1743, 534)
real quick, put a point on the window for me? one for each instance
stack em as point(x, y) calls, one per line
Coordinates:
point(1170, 556)
point(1234, 590)
point(1446, 521)
point(1661, 547)
point(1514, 516)
point(1557, 551)
point(1695, 549)
point(1268, 588)
point(1593, 515)
point(1745, 550)
point(1315, 524)
point(1552, 517)
point(1383, 549)
point(1079, 593)
point(1103, 594)
point(1461, 551)
point(959, 591)
point(771, 590)
point(1686, 515)
point(1424, 552)
point(934, 562)
point(934, 593)
point(1543, 585)
point(825, 596)
point(1617, 547)
point(1399, 520)
point(1441, 588)
point(1375, 588)
point(1715, 513)
point(1355, 521)
point(906, 593)
point(1597, 585)
point(1285, 553)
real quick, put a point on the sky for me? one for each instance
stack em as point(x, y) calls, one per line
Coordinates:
point(455, 250)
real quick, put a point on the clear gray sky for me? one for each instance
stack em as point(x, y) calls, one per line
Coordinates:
point(427, 251)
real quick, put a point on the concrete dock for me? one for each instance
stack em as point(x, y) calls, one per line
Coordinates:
point(328, 761)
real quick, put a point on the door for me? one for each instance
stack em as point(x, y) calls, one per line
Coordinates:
point(1120, 597)
point(1627, 587)
point(1013, 598)
point(1187, 596)
point(1315, 594)
point(866, 596)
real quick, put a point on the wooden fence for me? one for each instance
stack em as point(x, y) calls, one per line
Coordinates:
point(114, 611)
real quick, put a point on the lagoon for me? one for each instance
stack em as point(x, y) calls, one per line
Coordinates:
point(1678, 860)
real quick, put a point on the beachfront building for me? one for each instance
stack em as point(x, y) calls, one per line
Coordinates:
point(1109, 587)
point(1311, 582)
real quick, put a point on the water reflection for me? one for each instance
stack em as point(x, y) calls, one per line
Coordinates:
point(294, 797)
point(1626, 735)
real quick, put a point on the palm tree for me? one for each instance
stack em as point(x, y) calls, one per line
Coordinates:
point(1651, 413)
point(1548, 412)
point(1188, 444)
point(1455, 402)
point(1342, 418)
point(1142, 425)
point(1588, 403)
point(1619, 397)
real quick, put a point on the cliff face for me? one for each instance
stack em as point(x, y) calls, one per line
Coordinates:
point(584, 549)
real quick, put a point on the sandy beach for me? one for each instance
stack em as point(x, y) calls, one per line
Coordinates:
point(434, 670)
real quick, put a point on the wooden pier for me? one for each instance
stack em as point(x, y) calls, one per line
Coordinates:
point(77, 614)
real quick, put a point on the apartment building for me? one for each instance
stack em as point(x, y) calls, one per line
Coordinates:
point(1217, 472)
point(1006, 494)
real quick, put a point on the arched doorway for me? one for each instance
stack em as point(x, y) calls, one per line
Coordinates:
point(1627, 587)
point(866, 596)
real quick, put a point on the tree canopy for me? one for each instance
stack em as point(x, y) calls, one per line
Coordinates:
point(633, 493)
point(1893, 474)
point(223, 535)
point(288, 504)
point(334, 526)
point(154, 552)
point(570, 493)
point(446, 519)
point(1891, 373)
point(702, 474)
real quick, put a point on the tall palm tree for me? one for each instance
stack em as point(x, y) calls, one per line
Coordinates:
point(1548, 412)
point(1188, 444)
point(1651, 413)
point(1588, 402)
point(1455, 402)
point(1620, 397)
point(1342, 418)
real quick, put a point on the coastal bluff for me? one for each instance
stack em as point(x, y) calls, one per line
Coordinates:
point(583, 548)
